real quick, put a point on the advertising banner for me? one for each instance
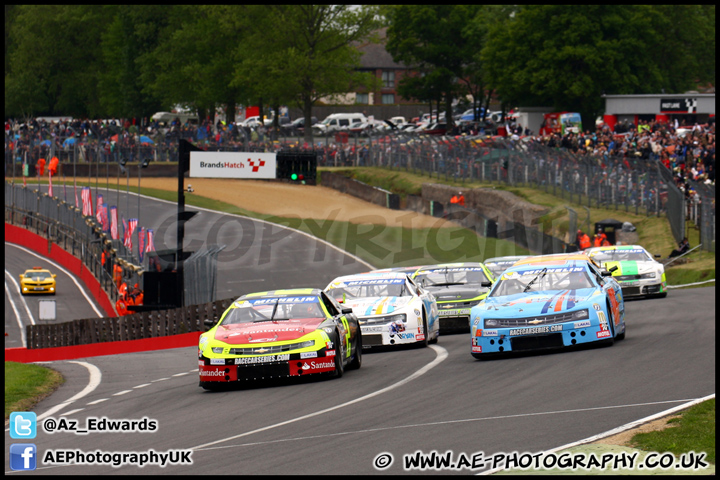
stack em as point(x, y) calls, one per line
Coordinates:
point(250, 165)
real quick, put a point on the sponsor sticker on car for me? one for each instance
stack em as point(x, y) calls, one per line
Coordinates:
point(264, 359)
point(453, 312)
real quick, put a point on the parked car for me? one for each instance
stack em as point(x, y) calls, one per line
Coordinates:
point(435, 129)
point(337, 122)
point(297, 126)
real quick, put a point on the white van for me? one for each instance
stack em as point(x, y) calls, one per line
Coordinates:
point(338, 121)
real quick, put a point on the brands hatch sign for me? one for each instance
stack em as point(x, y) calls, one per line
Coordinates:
point(248, 165)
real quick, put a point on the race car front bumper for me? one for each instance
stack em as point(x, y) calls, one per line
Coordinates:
point(265, 367)
point(502, 340)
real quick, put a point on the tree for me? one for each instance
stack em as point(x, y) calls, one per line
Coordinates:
point(53, 64)
point(567, 58)
point(434, 39)
point(304, 52)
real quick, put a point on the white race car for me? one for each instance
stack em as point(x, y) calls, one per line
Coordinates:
point(391, 308)
point(637, 272)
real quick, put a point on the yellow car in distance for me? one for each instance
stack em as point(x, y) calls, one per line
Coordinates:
point(37, 280)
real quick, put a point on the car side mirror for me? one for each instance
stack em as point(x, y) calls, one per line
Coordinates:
point(612, 269)
point(486, 284)
point(54, 275)
point(208, 323)
point(605, 273)
point(346, 311)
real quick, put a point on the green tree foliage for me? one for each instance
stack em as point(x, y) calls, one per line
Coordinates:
point(302, 53)
point(435, 39)
point(567, 57)
point(127, 45)
point(54, 60)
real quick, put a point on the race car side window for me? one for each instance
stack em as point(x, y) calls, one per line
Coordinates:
point(332, 309)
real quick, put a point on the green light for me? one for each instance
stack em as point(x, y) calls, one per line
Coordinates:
point(294, 176)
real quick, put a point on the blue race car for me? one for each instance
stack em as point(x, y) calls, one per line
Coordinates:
point(546, 302)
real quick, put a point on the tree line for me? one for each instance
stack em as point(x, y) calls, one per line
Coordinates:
point(123, 61)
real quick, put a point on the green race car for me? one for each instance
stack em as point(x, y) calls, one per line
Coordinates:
point(279, 334)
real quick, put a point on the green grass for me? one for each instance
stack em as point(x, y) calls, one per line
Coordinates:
point(26, 385)
point(694, 430)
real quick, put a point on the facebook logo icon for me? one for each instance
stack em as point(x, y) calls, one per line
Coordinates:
point(23, 456)
point(23, 425)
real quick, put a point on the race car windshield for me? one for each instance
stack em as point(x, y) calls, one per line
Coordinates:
point(273, 310)
point(447, 276)
point(370, 288)
point(620, 256)
point(513, 283)
point(37, 275)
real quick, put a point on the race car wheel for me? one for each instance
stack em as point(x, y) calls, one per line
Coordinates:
point(611, 322)
point(424, 343)
point(339, 368)
point(357, 360)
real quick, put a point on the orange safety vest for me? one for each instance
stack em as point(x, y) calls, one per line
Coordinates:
point(585, 242)
point(601, 240)
point(454, 199)
point(461, 200)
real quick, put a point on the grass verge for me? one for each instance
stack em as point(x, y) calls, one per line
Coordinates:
point(26, 385)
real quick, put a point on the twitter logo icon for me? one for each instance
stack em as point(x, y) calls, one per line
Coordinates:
point(23, 425)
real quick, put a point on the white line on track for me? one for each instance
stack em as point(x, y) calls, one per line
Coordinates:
point(72, 277)
point(448, 422)
point(441, 355)
point(17, 315)
point(622, 428)
point(95, 378)
point(71, 412)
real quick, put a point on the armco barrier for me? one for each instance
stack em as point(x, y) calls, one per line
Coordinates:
point(24, 355)
point(39, 245)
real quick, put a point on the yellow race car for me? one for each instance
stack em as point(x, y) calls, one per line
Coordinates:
point(279, 334)
point(37, 280)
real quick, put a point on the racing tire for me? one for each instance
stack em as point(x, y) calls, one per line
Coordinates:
point(424, 343)
point(356, 362)
point(621, 336)
point(661, 295)
point(339, 367)
point(611, 323)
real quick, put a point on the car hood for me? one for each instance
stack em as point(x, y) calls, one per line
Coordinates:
point(457, 293)
point(376, 305)
point(263, 332)
point(628, 267)
point(540, 303)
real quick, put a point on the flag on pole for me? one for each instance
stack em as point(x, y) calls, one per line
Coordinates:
point(98, 212)
point(113, 223)
point(77, 204)
point(86, 201)
point(104, 218)
point(65, 187)
point(150, 247)
point(50, 190)
point(141, 243)
point(132, 223)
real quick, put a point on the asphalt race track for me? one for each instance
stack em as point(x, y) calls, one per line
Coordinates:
point(400, 402)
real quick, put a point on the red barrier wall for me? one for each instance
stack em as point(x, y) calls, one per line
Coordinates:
point(39, 245)
point(24, 355)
